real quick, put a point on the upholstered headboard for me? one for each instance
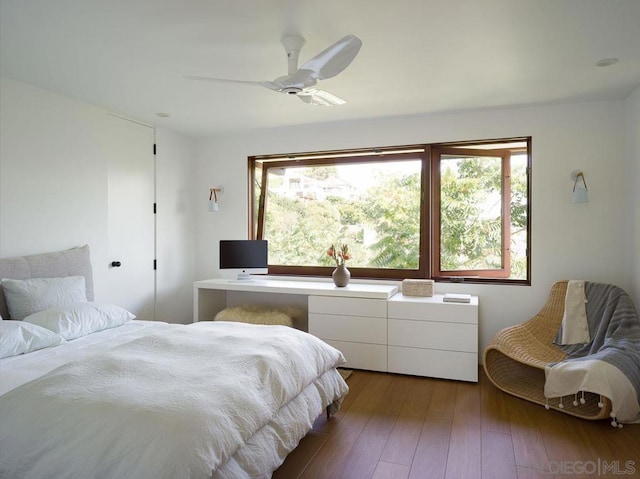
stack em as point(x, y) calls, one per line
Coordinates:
point(71, 262)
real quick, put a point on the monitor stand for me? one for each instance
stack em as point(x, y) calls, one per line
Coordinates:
point(244, 276)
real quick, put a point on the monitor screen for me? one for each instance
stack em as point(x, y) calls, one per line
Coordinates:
point(246, 256)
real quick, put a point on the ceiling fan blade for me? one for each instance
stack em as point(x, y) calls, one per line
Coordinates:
point(317, 97)
point(302, 78)
point(268, 84)
point(334, 59)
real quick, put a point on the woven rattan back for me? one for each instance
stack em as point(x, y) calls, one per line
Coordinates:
point(546, 323)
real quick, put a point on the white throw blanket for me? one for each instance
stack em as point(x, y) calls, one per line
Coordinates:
point(176, 404)
point(609, 364)
point(574, 329)
point(569, 378)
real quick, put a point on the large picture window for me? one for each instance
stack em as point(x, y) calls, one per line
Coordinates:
point(455, 212)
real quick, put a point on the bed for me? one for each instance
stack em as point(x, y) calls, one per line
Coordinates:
point(88, 391)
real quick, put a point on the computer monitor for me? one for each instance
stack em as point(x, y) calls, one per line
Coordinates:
point(246, 256)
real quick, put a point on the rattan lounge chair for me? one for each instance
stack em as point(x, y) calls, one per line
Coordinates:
point(515, 359)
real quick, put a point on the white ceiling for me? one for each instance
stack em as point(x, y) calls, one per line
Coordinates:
point(418, 56)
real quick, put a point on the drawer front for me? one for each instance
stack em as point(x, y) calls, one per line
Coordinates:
point(372, 357)
point(445, 312)
point(348, 328)
point(434, 335)
point(433, 363)
point(376, 308)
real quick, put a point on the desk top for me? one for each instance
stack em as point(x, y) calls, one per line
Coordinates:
point(311, 288)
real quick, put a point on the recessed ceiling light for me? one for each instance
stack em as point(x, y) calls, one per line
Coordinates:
point(163, 115)
point(606, 62)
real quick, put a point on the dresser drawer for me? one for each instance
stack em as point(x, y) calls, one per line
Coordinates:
point(434, 311)
point(348, 328)
point(372, 357)
point(376, 308)
point(434, 335)
point(433, 363)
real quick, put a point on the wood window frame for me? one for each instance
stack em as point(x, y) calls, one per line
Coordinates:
point(505, 193)
point(429, 250)
point(356, 272)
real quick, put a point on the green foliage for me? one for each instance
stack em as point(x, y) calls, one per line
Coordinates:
point(470, 217)
point(519, 197)
point(300, 230)
point(294, 229)
point(394, 211)
point(351, 212)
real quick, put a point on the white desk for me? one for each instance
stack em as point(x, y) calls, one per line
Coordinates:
point(209, 296)
point(375, 327)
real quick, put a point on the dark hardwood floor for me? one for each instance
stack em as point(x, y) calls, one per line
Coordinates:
point(404, 427)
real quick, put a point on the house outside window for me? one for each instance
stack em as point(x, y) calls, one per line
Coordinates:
point(451, 212)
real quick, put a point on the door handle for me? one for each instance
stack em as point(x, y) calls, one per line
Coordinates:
point(116, 264)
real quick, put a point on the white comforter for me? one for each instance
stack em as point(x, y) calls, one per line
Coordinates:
point(177, 404)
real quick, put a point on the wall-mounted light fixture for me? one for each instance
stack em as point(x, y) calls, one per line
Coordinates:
point(580, 193)
point(213, 198)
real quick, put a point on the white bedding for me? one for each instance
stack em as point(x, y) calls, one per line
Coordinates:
point(231, 407)
point(17, 370)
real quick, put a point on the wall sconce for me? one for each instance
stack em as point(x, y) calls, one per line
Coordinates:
point(580, 192)
point(213, 198)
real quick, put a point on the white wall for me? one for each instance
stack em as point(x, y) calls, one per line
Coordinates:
point(569, 241)
point(53, 175)
point(53, 189)
point(633, 190)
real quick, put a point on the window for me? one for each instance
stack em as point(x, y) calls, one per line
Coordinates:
point(447, 211)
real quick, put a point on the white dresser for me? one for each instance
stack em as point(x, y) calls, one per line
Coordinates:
point(355, 326)
point(427, 337)
point(402, 334)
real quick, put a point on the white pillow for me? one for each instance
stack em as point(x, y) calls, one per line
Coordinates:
point(28, 296)
point(17, 337)
point(80, 319)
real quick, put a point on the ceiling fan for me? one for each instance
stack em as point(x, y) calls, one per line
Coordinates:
point(302, 81)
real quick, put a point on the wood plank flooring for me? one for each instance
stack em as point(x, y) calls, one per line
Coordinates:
point(404, 427)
